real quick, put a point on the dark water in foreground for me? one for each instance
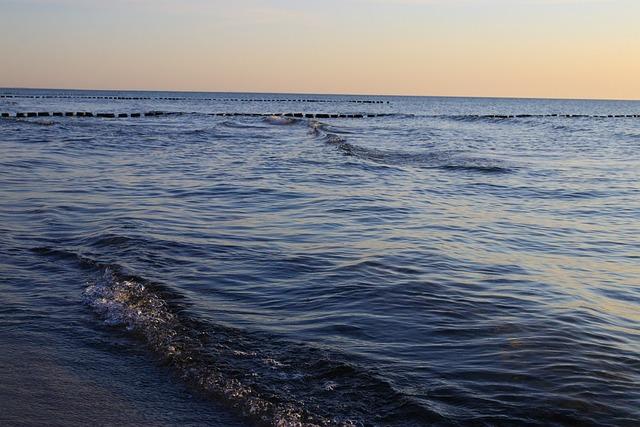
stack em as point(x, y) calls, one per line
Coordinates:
point(429, 267)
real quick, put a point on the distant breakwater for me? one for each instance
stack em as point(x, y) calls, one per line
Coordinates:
point(185, 98)
point(119, 115)
point(103, 115)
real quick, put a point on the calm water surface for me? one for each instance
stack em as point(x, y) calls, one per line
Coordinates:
point(429, 267)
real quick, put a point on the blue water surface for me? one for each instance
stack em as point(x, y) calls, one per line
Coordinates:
point(431, 266)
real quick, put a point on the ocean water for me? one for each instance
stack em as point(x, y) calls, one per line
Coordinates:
point(433, 265)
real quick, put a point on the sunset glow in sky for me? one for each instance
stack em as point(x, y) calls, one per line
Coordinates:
point(515, 48)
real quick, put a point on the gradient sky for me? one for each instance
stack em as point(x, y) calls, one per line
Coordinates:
point(515, 48)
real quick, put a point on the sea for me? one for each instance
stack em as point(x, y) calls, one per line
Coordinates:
point(172, 258)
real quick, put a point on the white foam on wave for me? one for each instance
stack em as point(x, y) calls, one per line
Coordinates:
point(131, 304)
point(126, 302)
point(279, 120)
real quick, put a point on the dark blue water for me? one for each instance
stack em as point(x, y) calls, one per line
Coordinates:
point(429, 267)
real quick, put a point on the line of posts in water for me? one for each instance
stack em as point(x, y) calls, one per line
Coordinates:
point(164, 113)
point(147, 98)
point(293, 115)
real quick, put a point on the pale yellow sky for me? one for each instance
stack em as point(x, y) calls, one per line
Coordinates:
point(516, 48)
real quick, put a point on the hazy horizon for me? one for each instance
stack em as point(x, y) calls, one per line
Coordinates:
point(547, 49)
point(311, 93)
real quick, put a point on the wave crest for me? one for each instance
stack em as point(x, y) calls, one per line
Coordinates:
point(130, 303)
point(269, 381)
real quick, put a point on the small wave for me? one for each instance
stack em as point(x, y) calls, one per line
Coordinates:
point(239, 125)
point(316, 128)
point(332, 138)
point(279, 120)
point(328, 133)
point(199, 131)
point(38, 122)
point(492, 118)
point(445, 160)
point(130, 303)
point(269, 381)
point(470, 118)
point(475, 166)
point(496, 118)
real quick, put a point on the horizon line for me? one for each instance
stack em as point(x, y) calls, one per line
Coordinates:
point(542, 98)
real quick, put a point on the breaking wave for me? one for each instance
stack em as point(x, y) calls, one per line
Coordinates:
point(269, 381)
point(444, 159)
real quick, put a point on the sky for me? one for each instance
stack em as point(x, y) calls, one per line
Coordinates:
point(495, 48)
